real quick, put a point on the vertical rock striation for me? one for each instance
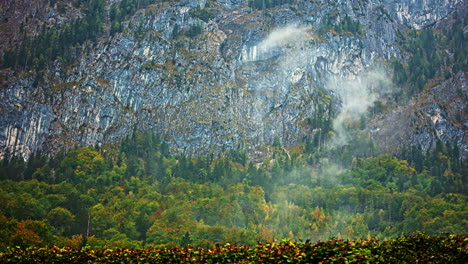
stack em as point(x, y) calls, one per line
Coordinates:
point(250, 76)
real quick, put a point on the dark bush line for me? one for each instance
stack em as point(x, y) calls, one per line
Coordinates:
point(416, 248)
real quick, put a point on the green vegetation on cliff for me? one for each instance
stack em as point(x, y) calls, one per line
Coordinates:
point(435, 55)
point(64, 43)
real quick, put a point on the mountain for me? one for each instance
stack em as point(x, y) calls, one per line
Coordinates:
point(214, 76)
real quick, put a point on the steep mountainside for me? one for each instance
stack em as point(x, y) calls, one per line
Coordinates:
point(210, 76)
point(20, 18)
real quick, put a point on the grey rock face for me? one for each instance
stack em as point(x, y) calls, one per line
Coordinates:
point(437, 114)
point(419, 14)
point(231, 3)
point(249, 77)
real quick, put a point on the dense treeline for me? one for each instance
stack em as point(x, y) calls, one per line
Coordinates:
point(139, 195)
point(51, 44)
point(434, 55)
point(449, 174)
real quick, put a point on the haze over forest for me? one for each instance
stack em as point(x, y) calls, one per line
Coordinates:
point(164, 124)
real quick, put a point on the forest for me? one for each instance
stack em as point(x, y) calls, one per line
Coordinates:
point(139, 195)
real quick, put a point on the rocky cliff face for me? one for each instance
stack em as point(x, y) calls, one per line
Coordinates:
point(250, 76)
point(436, 114)
point(420, 14)
point(19, 18)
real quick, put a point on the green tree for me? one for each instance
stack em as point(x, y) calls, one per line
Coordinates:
point(61, 219)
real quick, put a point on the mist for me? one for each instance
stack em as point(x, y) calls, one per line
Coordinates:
point(353, 89)
point(355, 96)
point(353, 92)
point(291, 35)
point(232, 123)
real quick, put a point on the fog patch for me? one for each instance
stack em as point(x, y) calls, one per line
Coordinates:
point(286, 36)
point(355, 96)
